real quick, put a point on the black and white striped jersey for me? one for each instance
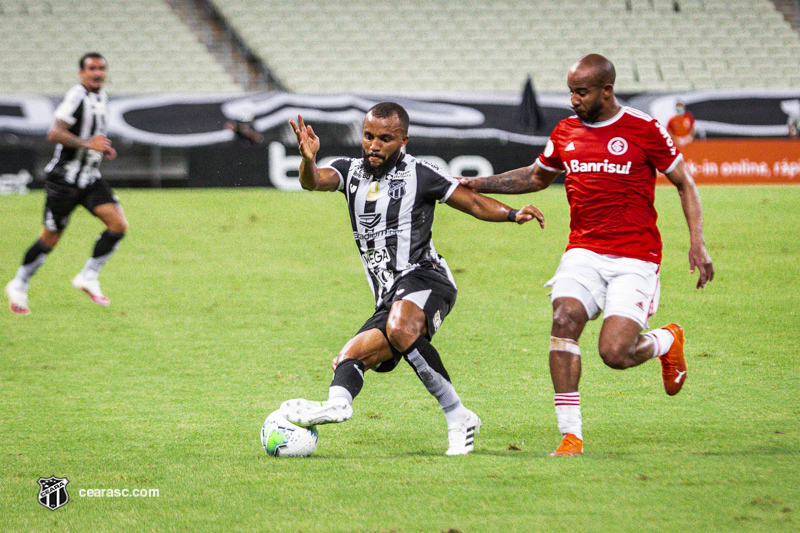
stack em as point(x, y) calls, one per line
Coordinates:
point(392, 217)
point(87, 114)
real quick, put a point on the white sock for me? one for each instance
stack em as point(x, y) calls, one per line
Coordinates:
point(336, 392)
point(91, 270)
point(568, 413)
point(22, 279)
point(662, 341)
point(456, 414)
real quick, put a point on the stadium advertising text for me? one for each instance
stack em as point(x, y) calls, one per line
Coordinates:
point(283, 168)
point(743, 161)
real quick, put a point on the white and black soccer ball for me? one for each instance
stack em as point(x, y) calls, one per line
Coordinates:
point(281, 438)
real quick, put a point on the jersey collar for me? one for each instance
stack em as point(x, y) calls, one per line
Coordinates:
point(606, 122)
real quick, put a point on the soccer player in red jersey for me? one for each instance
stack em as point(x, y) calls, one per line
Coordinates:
point(610, 154)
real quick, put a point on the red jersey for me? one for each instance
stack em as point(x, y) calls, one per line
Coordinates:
point(610, 181)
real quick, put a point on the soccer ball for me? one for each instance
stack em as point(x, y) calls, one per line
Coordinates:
point(281, 438)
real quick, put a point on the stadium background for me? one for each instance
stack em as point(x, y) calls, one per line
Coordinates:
point(179, 70)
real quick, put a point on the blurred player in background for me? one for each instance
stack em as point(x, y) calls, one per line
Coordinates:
point(681, 126)
point(610, 154)
point(73, 179)
point(793, 122)
point(391, 197)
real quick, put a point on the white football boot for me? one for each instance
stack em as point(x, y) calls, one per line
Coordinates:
point(307, 413)
point(461, 435)
point(92, 288)
point(17, 297)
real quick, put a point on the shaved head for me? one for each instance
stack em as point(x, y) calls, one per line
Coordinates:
point(595, 69)
point(591, 86)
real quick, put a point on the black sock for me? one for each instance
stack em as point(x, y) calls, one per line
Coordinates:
point(349, 374)
point(106, 243)
point(429, 354)
point(35, 251)
point(428, 366)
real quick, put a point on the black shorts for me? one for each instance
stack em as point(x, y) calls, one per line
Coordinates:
point(436, 305)
point(62, 198)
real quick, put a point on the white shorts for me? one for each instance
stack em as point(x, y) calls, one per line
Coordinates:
point(615, 285)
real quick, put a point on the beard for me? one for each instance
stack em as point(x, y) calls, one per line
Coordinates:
point(377, 172)
point(592, 113)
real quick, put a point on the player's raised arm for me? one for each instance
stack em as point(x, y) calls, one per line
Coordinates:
point(485, 208)
point(693, 211)
point(518, 181)
point(311, 177)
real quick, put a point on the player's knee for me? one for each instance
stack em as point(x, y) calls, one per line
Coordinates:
point(615, 355)
point(567, 322)
point(50, 240)
point(119, 226)
point(401, 334)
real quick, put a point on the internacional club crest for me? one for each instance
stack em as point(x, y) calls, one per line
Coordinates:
point(53, 492)
point(617, 146)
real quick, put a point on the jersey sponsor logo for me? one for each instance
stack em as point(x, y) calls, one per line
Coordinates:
point(371, 236)
point(667, 137)
point(369, 220)
point(377, 258)
point(617, 146)
point(359, 174)
point(376, 261)
point(402, 175)
point(599, 166)
point(397, 189)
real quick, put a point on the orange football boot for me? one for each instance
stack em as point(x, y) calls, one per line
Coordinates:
point(570, 445)
point(673, 363)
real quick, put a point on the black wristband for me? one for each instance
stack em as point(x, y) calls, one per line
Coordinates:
point(512, 215)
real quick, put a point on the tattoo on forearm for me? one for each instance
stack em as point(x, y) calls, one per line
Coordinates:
point(513, 181)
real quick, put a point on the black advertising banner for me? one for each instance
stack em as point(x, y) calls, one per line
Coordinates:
point(466, 134)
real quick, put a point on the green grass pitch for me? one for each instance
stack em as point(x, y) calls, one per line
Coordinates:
point(227, 302)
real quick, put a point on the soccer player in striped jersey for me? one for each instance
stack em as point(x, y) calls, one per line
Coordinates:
point(391, 198)
point(73, 179)
point(610, 154)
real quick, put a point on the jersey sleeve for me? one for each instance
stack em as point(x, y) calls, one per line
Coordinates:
point(342, 168)
point(660, 148)
point(72, 101)
point(439, 185)
point(550, 159)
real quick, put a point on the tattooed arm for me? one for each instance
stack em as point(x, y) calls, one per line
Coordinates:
point(522, 180)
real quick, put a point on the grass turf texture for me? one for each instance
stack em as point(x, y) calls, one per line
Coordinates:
point(227, 302)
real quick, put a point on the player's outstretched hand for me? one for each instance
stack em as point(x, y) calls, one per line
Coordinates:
point(700, 260)
point(307, 140)
point(528, 213)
